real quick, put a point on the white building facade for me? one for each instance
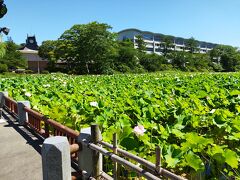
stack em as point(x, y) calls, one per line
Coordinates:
point(154, 41)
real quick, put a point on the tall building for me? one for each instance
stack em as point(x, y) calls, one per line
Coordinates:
point(154, 41)
point(30, 52)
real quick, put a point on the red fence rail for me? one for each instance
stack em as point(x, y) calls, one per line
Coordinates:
point(48, 127)
point(11, 105)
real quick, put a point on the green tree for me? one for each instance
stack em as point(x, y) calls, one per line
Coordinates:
point(13, 58)
point(127, 59)
point(191, 62)
point(199, 62)
point(167, 44)
point(180, 59)
point(3, 68)
point(88, 48)
point(141, 45)
point(3, 8)
point(191, 44)
point(2, 49)
point(3, 11)
point(152, 62)
point(227, 56)
point(48, 51)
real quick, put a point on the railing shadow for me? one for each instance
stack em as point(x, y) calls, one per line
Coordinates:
point(32, 138)
point(29, 135)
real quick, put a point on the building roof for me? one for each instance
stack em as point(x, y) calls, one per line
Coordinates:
point(180, 40)
point(26, 50)
point(31, 43)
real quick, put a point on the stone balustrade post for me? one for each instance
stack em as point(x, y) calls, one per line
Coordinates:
point(22, 114)
point(56, 160)
point(89, 161)
point(2, 100)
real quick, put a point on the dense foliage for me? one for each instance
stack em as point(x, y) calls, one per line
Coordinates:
point(193, 117)
point(88, 47)
point(2, 49)
point(3, 9)
point(92, 49)
point(48, 51)
point(12, 59)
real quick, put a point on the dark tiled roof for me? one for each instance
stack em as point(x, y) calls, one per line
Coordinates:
point(31, 43)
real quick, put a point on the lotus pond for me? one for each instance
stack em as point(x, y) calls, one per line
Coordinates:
point(194, 117)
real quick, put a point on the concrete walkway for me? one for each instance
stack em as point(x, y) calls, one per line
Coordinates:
point(20, 152)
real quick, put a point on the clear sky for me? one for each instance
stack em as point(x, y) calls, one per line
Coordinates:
point(216, 21)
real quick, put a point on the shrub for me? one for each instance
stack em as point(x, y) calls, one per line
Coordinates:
point(139, 70)
point(152, 62)
point(28, 71)
point(217, 67)
point(3, 68)
point(108, 71)
point(123, 68)
point(45, 72)
point(20, 71)
point(166, 67)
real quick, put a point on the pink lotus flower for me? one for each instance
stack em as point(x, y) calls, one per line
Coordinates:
point(139, 130)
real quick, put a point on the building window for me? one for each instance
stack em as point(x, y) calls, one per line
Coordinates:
point(148, 37)
point(150, 49)
point(210, 46)
point(179, 41)
point(149, 44)
point(157, 38)
point(203, 45)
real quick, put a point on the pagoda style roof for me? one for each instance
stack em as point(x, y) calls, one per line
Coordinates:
point(31, 43)
point(26, 50)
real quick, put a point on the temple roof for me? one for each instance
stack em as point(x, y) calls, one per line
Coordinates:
point(31, 43)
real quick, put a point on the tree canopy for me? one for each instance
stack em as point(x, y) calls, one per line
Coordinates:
point(93, 49)
point(126, 59)
point(88, 48)
point(227, 56)
point(48, 51)
point(141, 45)
point(3, 8)
point(13, 59)
point(167, 44)
point(191, 44)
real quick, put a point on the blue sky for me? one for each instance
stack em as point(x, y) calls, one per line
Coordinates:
point(215, 21)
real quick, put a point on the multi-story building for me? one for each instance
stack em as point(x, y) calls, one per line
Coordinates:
point(154, 41)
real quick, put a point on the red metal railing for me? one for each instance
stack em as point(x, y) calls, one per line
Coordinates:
point(11, 105)
point(58, 129)
point(35, 121)
point(48, 127)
